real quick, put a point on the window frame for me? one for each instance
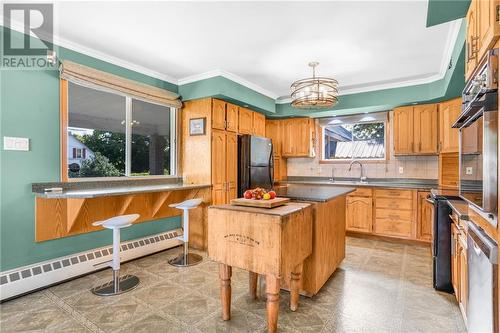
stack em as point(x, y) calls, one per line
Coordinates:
point(364, 160)
point(64, 117)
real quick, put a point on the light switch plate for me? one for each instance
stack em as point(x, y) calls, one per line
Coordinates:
point(468, 171)
point(13, 143)
point(401, 170)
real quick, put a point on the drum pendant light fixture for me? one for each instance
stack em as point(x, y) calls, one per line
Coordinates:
point(314, 93)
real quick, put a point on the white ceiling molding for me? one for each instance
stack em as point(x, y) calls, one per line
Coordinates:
point(229, 76)
point(405, 82)
point(58, 41)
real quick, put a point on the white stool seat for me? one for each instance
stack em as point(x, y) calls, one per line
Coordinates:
point(186, 259)
point(188, 204)
point(121, 221)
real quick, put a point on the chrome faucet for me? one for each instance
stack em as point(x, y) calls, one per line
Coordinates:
point(333, 175)
point(362, 178)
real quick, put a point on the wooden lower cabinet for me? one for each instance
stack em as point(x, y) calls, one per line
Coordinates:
point(425, 217)
point(454, 258)
point(397, 213)
point(359, 214)
point(462, 276)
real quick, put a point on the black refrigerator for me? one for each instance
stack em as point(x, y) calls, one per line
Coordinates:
point(255, 163)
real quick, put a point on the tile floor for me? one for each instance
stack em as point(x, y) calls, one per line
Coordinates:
point(380, 287)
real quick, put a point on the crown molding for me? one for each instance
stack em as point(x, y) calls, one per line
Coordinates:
point(229, 76)
point(404, 82)
point(62, 42)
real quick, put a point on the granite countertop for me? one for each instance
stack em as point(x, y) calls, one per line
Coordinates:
point(94, 189)
point(424, 184)
point(460, 207)
point(314, 192)
point(286, 209)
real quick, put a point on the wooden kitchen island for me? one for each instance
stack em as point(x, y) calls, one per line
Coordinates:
point(271, 242)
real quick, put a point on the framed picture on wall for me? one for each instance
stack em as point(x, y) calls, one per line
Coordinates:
point(197, 126)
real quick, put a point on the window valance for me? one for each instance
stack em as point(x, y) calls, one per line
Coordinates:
point(79, 73)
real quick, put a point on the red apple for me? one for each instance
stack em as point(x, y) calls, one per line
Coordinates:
point(247, 194)
point(272, 194)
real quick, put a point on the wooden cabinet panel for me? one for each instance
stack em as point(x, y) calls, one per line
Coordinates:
point(218, 167)
point(259, 124)
point(487, 26)
point(394, 193)
point(361, 192)
point(425, 129)
point(473, 138)
point(471, 40)
point(393, 214)
point(245, 123)
point(425, 217)
point(448, 114)
point(392, 227)
point(298, 137)
point(218, 114)
point(462, 276)
point(273, 132)
point(231, 166)
point(232, 117)
point(403, 130)
point(454, 259)
point(359, 214)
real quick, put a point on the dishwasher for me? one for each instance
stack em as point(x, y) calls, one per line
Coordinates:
point(482, 257)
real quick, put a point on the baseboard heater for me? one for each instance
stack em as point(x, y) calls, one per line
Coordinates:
point(36, 276)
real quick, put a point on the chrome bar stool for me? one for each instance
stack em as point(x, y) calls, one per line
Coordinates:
point(186, 258)
point(119, 284)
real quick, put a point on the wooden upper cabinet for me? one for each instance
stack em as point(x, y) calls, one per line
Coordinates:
point(487, 26)
point(273, 132)
point(245, 121)
point(448, 114)
point(218, 167)
point(403, 130)
point(471, 38)
point(259, 124)
point(218, 114)
point(298, 137)
point(472, 142)
point(483, 30)
point(232, 117)
point(425, 131)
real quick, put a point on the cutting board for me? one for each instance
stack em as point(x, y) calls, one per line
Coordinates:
point(271, 203)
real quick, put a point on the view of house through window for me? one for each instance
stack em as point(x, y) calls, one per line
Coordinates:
point(108, 139)
point(354, 140)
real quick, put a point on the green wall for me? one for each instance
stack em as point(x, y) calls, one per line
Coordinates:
point(30, 108)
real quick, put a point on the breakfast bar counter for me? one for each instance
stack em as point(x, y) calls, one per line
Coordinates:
point(272, 242)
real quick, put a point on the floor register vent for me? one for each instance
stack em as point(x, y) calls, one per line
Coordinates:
point(28, 278)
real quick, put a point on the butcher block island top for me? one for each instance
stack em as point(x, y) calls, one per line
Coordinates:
point(273, 242)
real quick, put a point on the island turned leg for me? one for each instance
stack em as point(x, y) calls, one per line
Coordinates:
point(273, 302)
point(225, 272)
point(295, 287)
point(253, 278)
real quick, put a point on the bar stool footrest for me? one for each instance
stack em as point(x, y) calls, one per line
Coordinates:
point(126, 283)
point(190, 259)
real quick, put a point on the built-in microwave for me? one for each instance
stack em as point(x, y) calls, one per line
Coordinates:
point(478, 143)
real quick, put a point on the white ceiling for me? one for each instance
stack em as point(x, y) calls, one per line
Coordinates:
point(365, 45)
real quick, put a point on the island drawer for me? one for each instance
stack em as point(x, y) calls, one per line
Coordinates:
point(394, 194)
point(361, 192)
point(392, 203)
point(392, 227)
point(391, 214)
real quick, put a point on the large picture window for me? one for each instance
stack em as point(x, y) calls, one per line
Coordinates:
point(111, 134)
point(354, 140)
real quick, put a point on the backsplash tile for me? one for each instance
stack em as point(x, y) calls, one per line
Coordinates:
point(418, 167)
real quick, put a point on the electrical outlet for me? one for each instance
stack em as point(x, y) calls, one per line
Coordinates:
point(12, 143)
point(401, 170)
point(468, 171)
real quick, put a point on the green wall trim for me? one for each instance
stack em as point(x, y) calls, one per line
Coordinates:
point(441, 11)
point(229, 90)
point(29, 107)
